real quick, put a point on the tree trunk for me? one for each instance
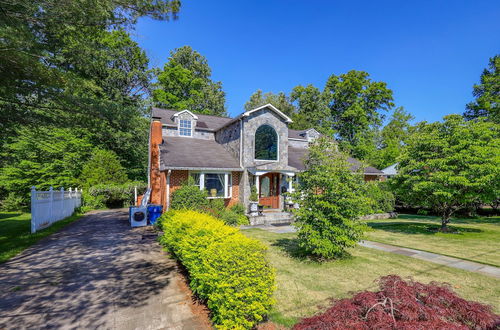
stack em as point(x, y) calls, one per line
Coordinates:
point(445, 219)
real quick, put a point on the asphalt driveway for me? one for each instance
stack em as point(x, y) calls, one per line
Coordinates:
point(96, 273)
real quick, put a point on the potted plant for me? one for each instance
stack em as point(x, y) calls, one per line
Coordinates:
point(254, 201)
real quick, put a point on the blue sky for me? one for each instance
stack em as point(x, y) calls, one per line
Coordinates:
point(430, 53)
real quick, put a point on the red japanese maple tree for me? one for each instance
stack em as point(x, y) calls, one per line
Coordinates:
point(404, 305)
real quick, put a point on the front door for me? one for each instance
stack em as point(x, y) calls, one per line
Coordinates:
point(269, 190)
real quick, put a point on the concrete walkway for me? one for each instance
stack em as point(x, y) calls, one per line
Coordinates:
point(427, 256)
point(436, 258)
point(96, 273)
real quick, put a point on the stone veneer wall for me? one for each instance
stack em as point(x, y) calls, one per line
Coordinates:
point(250, 125)
point(229, 138)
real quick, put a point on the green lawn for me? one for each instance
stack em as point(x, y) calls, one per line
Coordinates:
point(473, 239)
point(303, 284)
point(15, 233)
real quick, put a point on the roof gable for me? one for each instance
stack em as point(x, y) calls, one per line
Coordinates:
point(185, 111)
point(271, 107)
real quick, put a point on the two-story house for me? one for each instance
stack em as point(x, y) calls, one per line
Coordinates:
point(226, 156)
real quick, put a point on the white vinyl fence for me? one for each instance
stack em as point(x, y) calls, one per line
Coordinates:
point(51, 206)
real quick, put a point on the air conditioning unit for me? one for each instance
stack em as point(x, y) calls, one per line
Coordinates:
point(138, 216)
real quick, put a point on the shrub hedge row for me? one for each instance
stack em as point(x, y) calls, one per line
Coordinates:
point(112, 195)
point(227, 269)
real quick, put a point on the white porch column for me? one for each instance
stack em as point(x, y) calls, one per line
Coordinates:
point(257, 180)
point(290, 183)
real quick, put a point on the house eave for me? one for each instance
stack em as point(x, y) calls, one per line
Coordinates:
point(272, 107)
point(191, 168)
point(195, 128)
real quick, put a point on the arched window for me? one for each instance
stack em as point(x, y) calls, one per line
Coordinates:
point(266, 143)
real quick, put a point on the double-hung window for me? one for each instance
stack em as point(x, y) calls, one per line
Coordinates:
point(185, 127)
point(216, 184)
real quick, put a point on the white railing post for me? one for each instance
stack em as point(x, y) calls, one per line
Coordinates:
point(51, 204)
point(33, 209)
point(62, 206)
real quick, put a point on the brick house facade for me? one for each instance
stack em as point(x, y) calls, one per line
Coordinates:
point(227, 156)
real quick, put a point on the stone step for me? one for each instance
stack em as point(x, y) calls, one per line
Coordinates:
point(268, 218)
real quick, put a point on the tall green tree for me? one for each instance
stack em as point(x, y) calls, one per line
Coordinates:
point(356, 103)
point(43, 157)
point(388, 143)
point(281, 101)
point(487, 94)
point(450, 165)
point(71, 68)
point(312, 111)
point(331, 200)
point(103, 167)
point(36, 37)
point(185, 83)
point(113, 80)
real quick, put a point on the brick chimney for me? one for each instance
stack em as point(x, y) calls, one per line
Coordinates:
point(157, 179)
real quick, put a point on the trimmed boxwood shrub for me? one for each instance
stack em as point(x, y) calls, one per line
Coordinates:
point(227, 269)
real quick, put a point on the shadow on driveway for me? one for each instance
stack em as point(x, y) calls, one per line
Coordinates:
point(95, 273)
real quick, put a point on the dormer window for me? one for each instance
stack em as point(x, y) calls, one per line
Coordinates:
point(185, 127)
point(186, 122)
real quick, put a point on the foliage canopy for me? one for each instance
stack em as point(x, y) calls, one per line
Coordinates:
point(487, 93)
point(103, 167)
point(450, 165)
point(185, 83)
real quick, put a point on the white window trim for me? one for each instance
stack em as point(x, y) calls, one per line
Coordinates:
point(228, 182)
point(179, 127)
point(277, 148)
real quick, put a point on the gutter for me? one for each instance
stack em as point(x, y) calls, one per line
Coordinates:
point(187, 168)
point(149, 149)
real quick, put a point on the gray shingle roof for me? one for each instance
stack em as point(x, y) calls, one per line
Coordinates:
point(296, 157)
point(294, 134)
point(190, 153)
point(206, 122)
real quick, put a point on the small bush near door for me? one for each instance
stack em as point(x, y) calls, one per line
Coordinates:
point(226, 269)
point(189, 197)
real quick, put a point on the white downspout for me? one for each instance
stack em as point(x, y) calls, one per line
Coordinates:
point(149, 150)
point(168, 189)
